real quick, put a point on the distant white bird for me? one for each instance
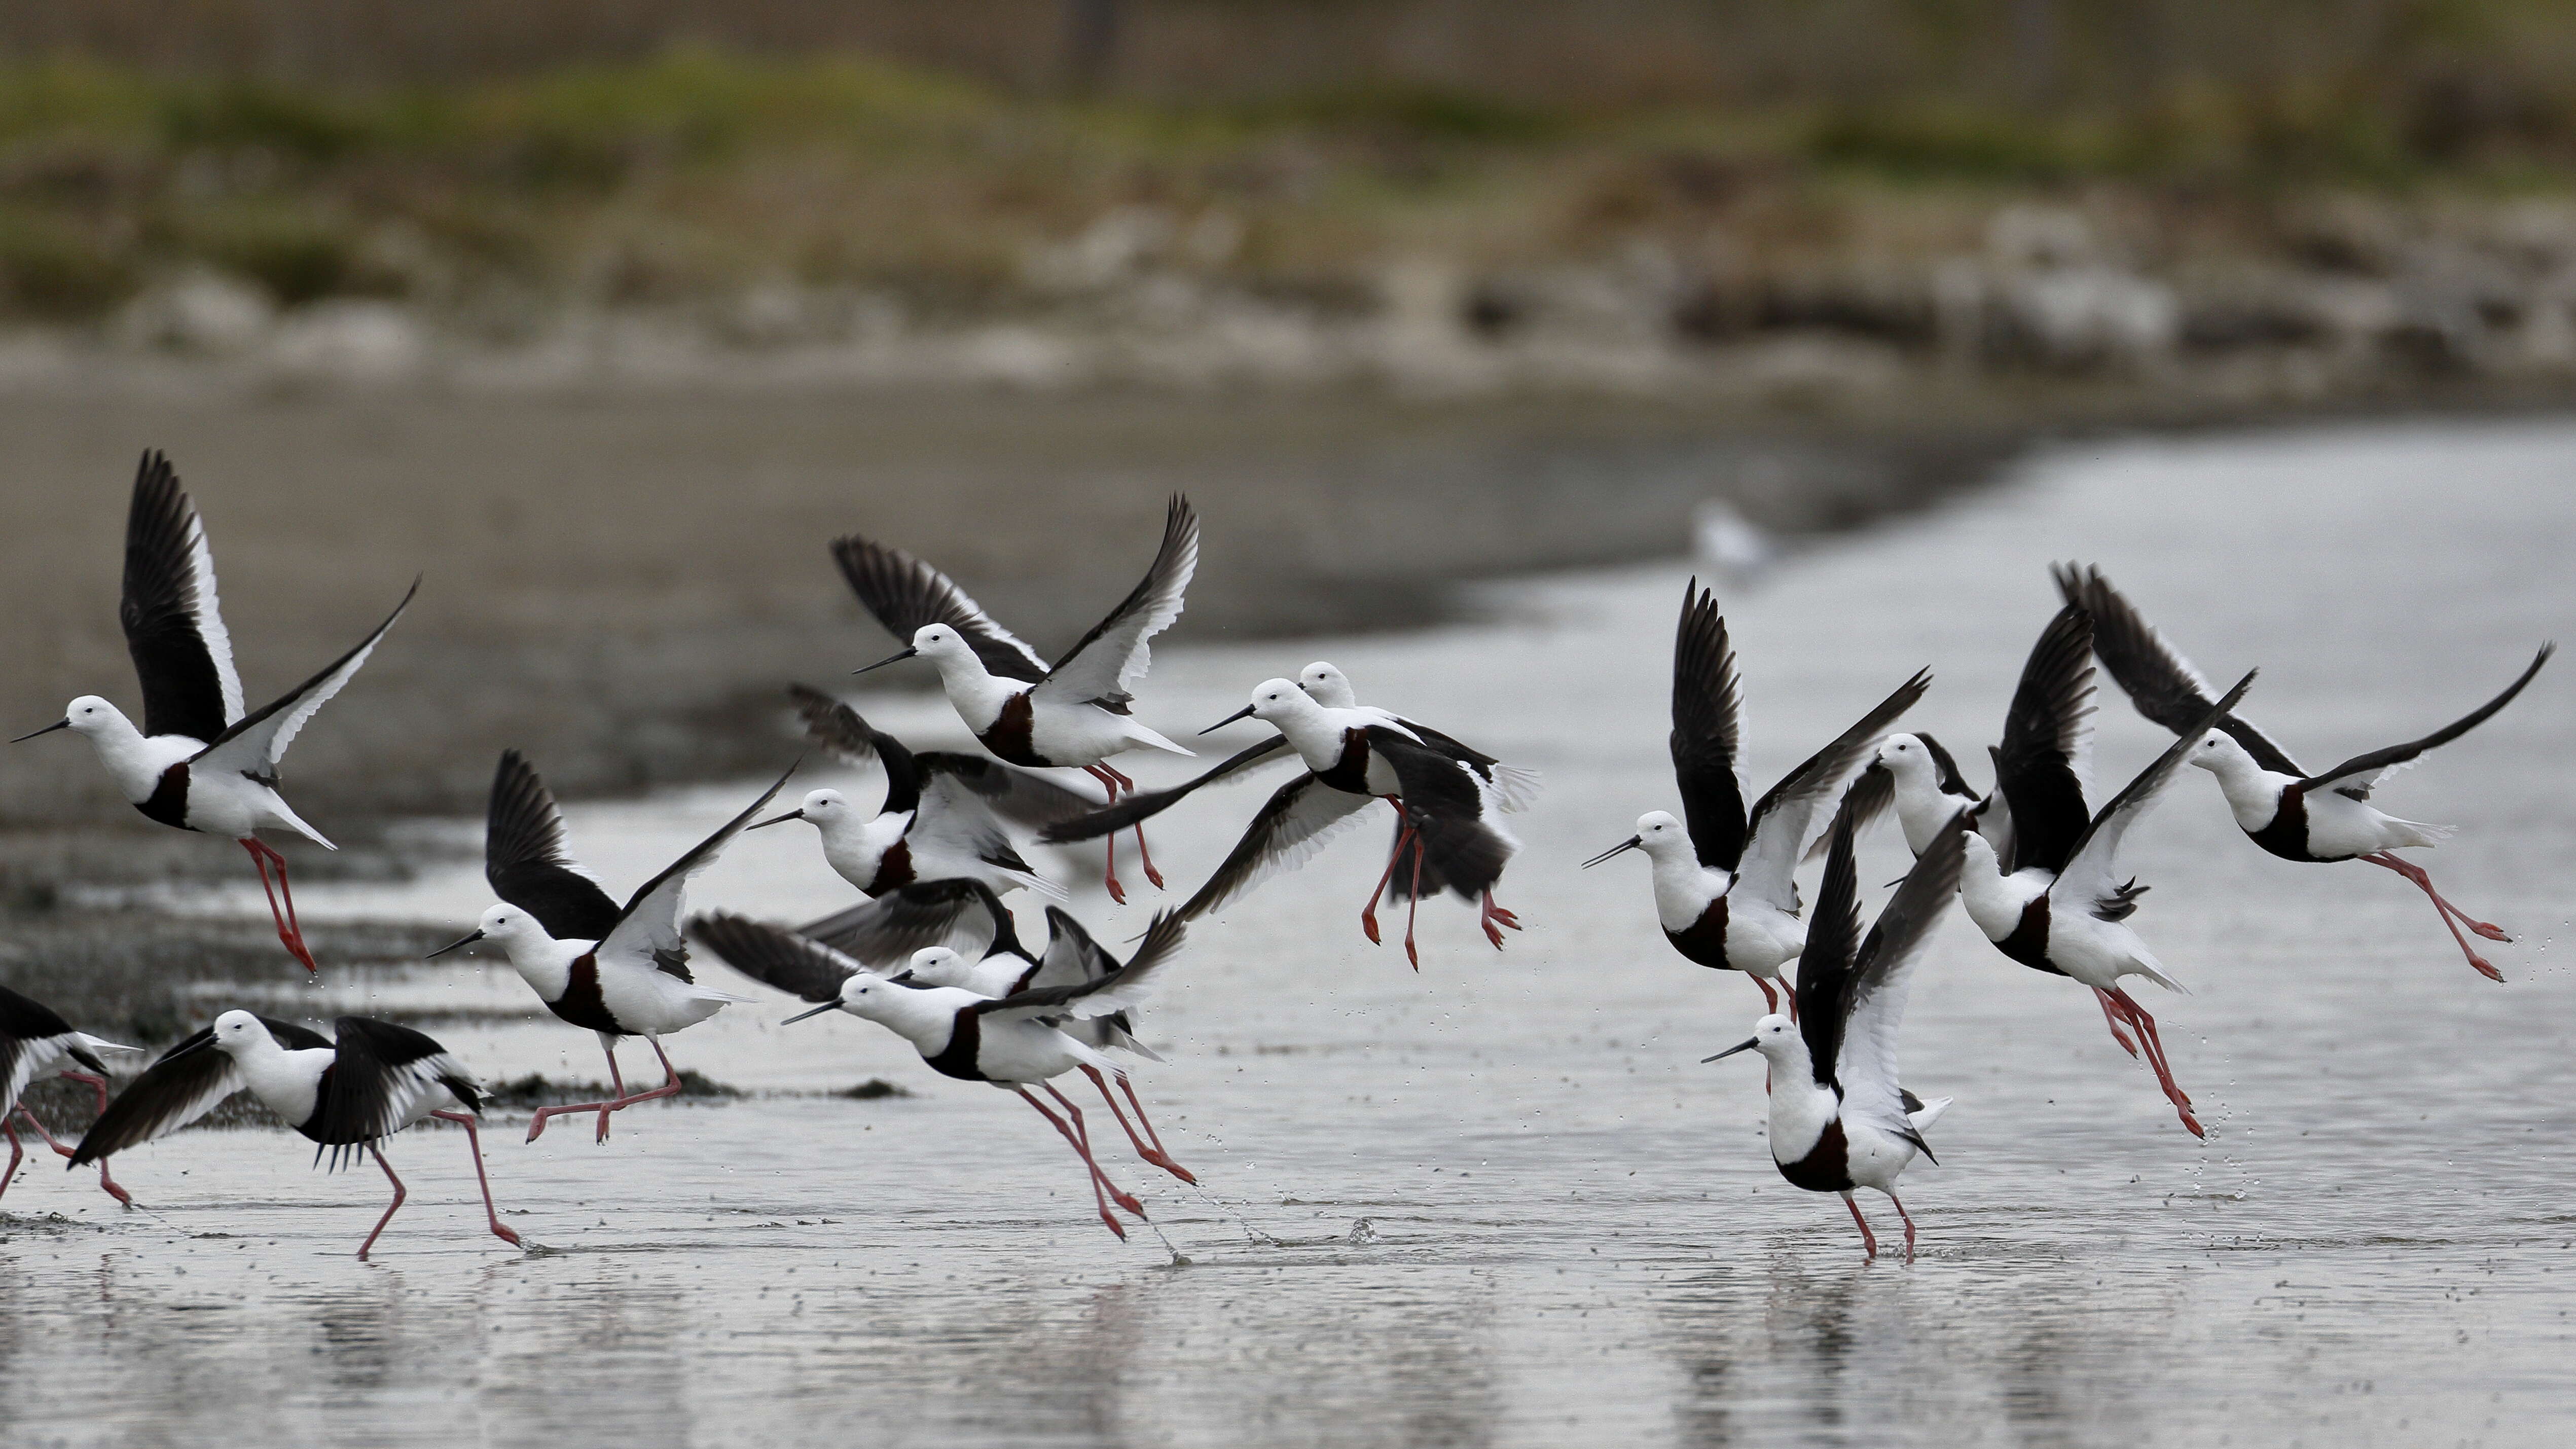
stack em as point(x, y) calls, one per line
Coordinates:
point(941, 818)
point(1028, 714)
point(619, 972)
point(1726, 891)
point(2295, 815)
point(347, 1095)
point(1839, 1118)
point(1007, 1041)
point(199, 763)
point(34, 1042)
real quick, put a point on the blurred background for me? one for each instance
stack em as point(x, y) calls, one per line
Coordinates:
point(607, 316)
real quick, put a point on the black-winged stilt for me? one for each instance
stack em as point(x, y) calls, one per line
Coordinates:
point(618, 972)
point(199, 763)
point(941, 817)
point(347, 1095)
point(2318, 819)
point(35, 1042)
point(1725, 884)
point(1027, 713)
point(1006, 1041)
point(1839, 1119)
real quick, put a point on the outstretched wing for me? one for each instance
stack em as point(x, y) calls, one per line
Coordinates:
point(846, 737)
point(255, 743)
point(1072, 957)
point(1707, 721)
point(648, 930)
point(1825, 966)
point(1138, 808)
point(2154, 674)
point(1105, 668)
point(1882, 974)
point(379, 1082)
point(2087, 882)
point(2356, 776)
point(905, 593)
point(953, 820)
point(1785, 820)
point(1124, 989)
point(777, 958)
point(963, 915)
point(525, 860)
point(174, 624)
point(1299, 819)
point(183, 1084)
point(1445, 801)
point(1022, 797)
point(2044, 765)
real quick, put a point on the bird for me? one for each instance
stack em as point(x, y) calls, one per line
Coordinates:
point(34, 1042)
point(1839, 1119)
point(941, 818)
point(198, 762)
point(618, 971)
point(1725, 883)
point(1006, 1041)
point(2059, 904)
point(1072, 957)
point(1073, 714)
point(2322, 818)
point(1447, 814)
point(348, 1092)
point(1925, 788)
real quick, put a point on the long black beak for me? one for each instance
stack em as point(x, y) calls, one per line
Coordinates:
point(817, 1011)
point(777, 820)
point(466, 940)
point(897, 657)
point(60, 724)
point(1243, 713)
point(1746, 1045)
point(1633, 842)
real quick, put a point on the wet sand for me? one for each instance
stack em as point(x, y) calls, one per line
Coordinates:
point(1500, 1202)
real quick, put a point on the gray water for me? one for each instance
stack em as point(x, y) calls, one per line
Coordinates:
point(1500, 1202)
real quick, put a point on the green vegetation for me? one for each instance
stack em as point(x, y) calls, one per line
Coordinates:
point(698, 172)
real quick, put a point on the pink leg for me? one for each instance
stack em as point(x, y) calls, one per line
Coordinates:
point(1414, 906)
point(474, 1144)
point(617, 1094)
point(2415, 873)
point(2113, 1018)
point(1147, 857)
point(1083, 1131)
point(395, 1207)
point(1109, 781)
point(106, 1183)
point(1098, 1200)
point(2145, 1026)
point(1770, 998)
point(1909, 1226)
point(1152, 1153)
point(1403, 834)
point(1868, 1239)
point(670, 1088)
point(1790, 993)
point(17, 1154)
point(288, 931)
point(1494, 919)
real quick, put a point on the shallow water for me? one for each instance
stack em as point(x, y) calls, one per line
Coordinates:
point(1499, 1202)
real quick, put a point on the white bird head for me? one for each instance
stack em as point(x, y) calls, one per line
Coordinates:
point(938, 966)
point(237, 1031)
point(863, 994)
point(1273, 701)
point(941, 644)
point(1327, 686)
point(501, 922)
point(1658, 835)
point(88, 715)
point(1775, 1036)
point(2218, 751)
point(1906, 758)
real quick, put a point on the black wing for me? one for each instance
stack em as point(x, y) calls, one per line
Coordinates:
point(2088, 874)
point(525, 861)
point(2355, 776)
point(1019, 796)
point(963, 915)
point(1119, 991)
point(23, 1018)
point(1298, 819)
point(183, 1084)
point(1945, 769)
point(1707, 710)
point(255, 743)
point(2156, 677)
point(1106, 666)
point(850, 739)
point(174, 626)
point(2039, 769)
point(650, 924)
point(1786, 812)
point(1136, 809)
point(775, 957)
point(1825, 973)
point(905, 593)
point(379, 1075)
point(1441, 798)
